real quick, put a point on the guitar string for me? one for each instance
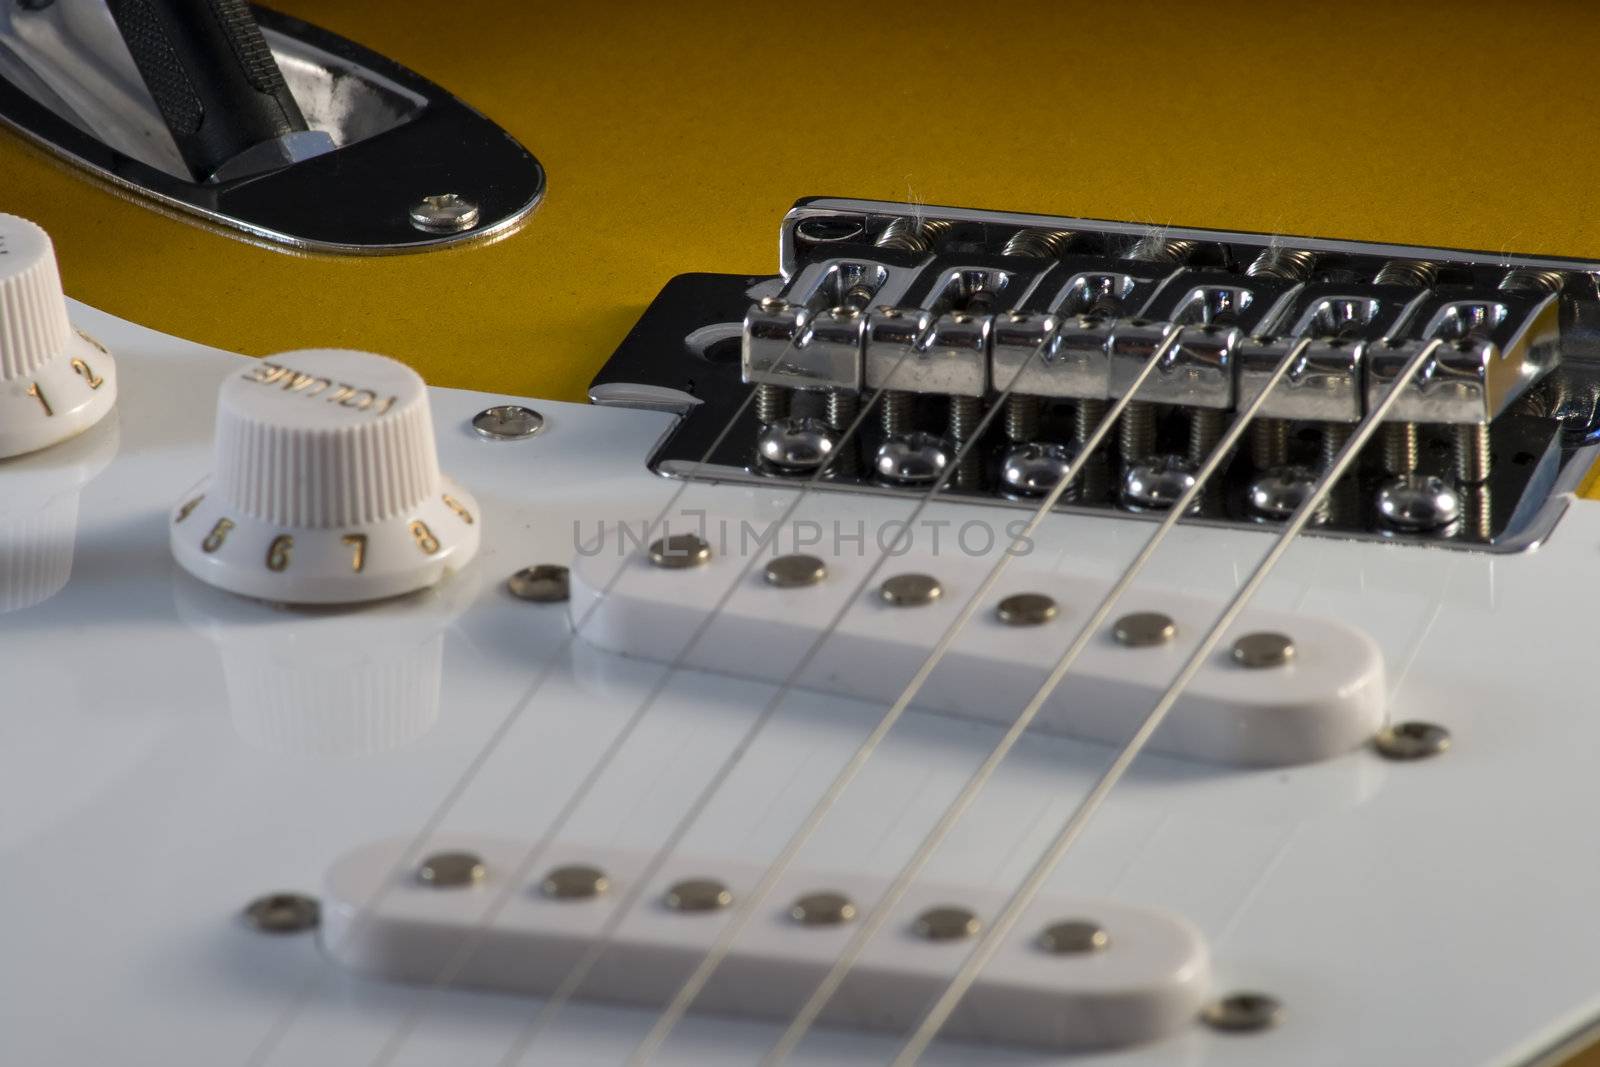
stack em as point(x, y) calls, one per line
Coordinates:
point(576, 975)
point(514, 882)
point(639, 883)
point(691, 988)
point(990, 941)
point(881, 910)
point(409, 856)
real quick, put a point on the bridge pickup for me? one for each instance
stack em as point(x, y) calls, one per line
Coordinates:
point(1052, 986)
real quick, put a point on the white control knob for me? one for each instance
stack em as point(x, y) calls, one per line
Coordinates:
point(326, 486)
point(54, 381)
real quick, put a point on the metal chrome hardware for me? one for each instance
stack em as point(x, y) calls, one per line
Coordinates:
point(1062, 981)
point(69, 83)
point(948, 311)
point(1333, 703)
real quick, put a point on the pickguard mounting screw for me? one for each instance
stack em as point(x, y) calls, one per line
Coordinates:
point(507, 422)
point(546, 583)
point(1243, 1012)
point(1411, 740)
point(283, 913)
point(444, 213)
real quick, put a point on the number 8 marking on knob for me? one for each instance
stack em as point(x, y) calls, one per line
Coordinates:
point(278, 553)
point(425, 539)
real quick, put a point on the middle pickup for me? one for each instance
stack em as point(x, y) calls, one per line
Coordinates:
point(1281, 688)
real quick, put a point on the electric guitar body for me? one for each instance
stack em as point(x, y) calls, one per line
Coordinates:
point(1105, 585)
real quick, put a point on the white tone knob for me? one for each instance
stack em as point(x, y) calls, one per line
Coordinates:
point(54, 381)
point(326, 486)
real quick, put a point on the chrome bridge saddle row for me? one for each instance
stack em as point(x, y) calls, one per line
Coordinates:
point(937, 315)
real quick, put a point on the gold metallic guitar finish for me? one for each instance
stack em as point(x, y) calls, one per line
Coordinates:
point(676, 135)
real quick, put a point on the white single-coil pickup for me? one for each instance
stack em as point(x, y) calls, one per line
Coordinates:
point(1148, 980)
point(1326, 700)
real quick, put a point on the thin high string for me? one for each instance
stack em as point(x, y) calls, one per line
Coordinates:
point(574, 978)
point(990, 942)
point(884, 907)
point(469, 944)
point(412, 853)
point(745, 909)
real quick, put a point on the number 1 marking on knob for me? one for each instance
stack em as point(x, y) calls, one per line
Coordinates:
point(38, 394)
point(183, 512)
point(358, 547)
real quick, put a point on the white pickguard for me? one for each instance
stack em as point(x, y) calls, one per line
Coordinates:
point(168, 752)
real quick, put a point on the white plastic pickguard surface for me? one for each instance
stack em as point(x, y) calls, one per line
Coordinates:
point(168, 752)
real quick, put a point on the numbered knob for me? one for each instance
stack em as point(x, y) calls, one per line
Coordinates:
point(325, 487)
point(55, 382)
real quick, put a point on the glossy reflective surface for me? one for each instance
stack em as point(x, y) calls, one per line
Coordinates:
point(169, 754)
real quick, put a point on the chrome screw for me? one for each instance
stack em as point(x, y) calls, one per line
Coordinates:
point(830, 229)
point(911, 458)
point(1136, 431)
point(444, 213)
point(1038, 243)
point(546, 583)
point(1022, 417)
point(825, 908)
point(679, 551)
point(795, 444)
point(452, 870)
point(1206, 426)
point(772, 402)
point(842, 407)
point(1400, 448)
point(507, 422)
point(1243, 1012)
point(1289, 264)
point(698, 894)
point(1472, 452)
point(894, 412)
point(577, 881)
point(965, 414)
point(283, 913)
point(1269, 443)
point(1411, 273)
point(1416, 502)
point(1411, 740)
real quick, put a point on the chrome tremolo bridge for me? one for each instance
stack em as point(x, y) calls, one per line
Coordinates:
point(941, 314)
